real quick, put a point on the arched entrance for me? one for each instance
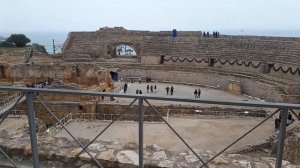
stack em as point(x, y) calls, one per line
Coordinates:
point(125, 50)
point(114, 75)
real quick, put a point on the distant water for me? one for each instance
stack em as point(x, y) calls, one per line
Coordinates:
point(46, 38)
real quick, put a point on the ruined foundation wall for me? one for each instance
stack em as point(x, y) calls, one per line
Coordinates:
point(84, 75)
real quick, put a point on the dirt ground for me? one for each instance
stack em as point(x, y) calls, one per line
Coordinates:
point(205, 134)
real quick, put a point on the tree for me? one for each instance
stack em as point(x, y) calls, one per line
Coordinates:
point(39, 48)
point(20, 40)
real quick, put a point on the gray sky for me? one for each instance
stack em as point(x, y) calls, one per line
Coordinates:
point(89, 15)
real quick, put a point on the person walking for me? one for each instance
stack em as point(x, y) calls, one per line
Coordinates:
point(172, 90)
point(155, 88)
point(147, 88)
point(195, 93)
point(141, 92)
point(125, 87)
point(199, 93)
point(137, 91)
point(151, 89)
point(277, 124)
point(167, 89)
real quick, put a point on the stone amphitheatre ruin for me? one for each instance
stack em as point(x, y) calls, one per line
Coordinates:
point(263, 68)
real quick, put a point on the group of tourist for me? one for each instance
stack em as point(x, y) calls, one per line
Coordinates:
point(197, 93)
point(289, 121)
point(215, 34)
point(170, 89)
point(151, 87)
point(41, 84)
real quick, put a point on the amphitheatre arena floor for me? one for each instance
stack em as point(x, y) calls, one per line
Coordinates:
point(181, 91)
point(205, 134)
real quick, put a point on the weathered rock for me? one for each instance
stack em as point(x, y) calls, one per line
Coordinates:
point(97, 147)
point(146, 154)
point(54, 163)
point(166, 163)
point(78, 163)
point(272, 162)
point(130, 145)
point(107, 155)
point(242, 163)
point(88, 166)
point(86, 156)
point(161, 155)
point(128, 156)
point(182, 154)
point(191, 158)
point(221, 159)
point(155, 147)
point(260, 165)
point(75, 151)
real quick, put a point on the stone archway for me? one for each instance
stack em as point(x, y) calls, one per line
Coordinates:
point(114, 75)
point(124, 50)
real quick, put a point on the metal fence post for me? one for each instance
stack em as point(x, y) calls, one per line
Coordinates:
point(283, 114)
point(32, 129)
point(141, 133)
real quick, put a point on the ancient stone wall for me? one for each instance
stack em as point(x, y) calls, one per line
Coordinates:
point(104, 111)
point(84, 75)
point(102, 43)
point(248, 85)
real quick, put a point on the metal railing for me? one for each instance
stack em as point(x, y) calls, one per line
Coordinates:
point(56, 127)
point(283, 108)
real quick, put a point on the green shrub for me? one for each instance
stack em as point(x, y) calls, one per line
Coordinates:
point(20, 40)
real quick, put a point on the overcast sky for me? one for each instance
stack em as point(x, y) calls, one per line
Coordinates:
point(155, 15)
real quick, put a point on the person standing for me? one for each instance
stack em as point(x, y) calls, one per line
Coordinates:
point(167, 89)
point(199, 93)
point(125, 87)
point(141, 92)
point(155, 88)
point(195, 93)
point(172, 90)
point(151, 89)
point(277, 124)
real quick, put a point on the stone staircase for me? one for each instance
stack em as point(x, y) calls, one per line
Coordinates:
point(261, 49)
point(8, 103)
point(231, 48)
